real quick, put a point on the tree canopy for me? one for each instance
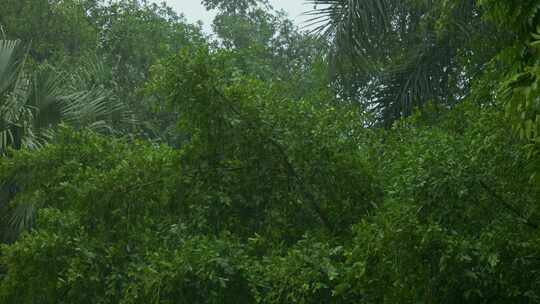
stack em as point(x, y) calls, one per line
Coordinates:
point(391, 155)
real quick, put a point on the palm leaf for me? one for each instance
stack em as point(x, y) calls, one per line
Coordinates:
point(32, 105)
point(9, 63)
point(389, 55)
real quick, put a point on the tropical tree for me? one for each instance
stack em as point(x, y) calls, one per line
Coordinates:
point(518, 86)
point(57, 30)
point(34, 103)
point(394, 56)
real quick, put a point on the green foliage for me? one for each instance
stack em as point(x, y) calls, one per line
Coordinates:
point(393, 56)
point(232, 212)
point(56, 29)
point(92, 207)
point(274, 186)
point(297, 151)
point(460, 217)
point(307, 273)
point(518, 89)
point(133, 35)
point(34, 102)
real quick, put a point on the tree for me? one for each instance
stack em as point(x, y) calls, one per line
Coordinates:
point(34, 103)
point(245, 131)
point(394, 56)
point(267, 45)
point(56, 30)
point(518, 86)
point(134, 35)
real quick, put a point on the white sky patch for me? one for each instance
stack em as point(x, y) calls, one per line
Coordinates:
point(194, 11)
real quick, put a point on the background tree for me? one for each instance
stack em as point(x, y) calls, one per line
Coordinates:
point(394, 56)
point(34, 102)
point(56, 30)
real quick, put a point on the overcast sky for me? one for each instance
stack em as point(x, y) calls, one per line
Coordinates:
point(194, 11)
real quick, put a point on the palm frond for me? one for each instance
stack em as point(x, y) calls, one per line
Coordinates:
point(14, 90)
point(32, 105)
point(389, 54)
point(93, 91)
point(22, 218)
point(9, 63)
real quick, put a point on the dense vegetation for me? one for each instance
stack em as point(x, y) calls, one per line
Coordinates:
point(390, 156)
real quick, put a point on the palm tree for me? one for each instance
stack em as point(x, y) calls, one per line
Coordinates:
point(32, 106)
point(14, 85)
point(395, 55)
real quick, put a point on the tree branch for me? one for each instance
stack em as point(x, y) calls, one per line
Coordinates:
point(507, 205)
point(290, 168)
